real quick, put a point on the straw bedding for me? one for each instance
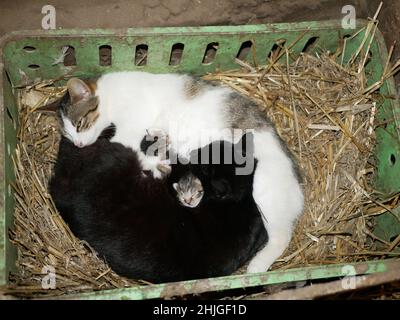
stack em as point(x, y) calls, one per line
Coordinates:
point(322, 108)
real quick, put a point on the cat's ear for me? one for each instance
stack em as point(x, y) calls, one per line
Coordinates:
point(78, 90)
point(175, 186)
point(50, 108)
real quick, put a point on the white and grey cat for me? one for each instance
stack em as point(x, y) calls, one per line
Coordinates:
point(189, 190)
point(188, 108)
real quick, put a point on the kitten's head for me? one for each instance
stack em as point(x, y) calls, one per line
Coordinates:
point(79, 113)
point(189, 190)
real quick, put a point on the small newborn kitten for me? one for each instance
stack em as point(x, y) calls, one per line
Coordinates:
point(189, 190)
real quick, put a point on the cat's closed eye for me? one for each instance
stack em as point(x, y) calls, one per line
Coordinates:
point(198, 194)
point(86, 121)
point(79, 125)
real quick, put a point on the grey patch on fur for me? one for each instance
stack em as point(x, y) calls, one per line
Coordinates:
point(243, 113)
point(194, 86)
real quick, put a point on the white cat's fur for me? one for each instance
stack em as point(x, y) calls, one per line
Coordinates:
point(136, 101)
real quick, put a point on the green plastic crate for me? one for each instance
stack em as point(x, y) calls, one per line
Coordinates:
point(34, 53)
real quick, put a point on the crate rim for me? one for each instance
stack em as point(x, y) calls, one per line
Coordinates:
point(172, 289)
point(223, 29)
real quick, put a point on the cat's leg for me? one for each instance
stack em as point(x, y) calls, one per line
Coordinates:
point(184, 145)
point(278, 195)
point(158, 168)
point(277, 244)
point(155, 157)
point(133, 138)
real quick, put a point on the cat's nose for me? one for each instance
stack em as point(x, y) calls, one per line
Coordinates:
point(187, 201)
point(78, 144)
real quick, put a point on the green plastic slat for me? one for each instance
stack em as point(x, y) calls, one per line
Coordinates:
point(234, 282)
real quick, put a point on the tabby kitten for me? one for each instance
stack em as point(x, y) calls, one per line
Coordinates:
point(189, 190)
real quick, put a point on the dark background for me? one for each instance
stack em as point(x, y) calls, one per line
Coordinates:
point(26, 14)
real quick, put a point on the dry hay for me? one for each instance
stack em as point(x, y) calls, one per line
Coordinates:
point(326, 115)
point(321, 108)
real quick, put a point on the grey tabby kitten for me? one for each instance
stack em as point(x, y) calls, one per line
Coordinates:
point(189, 190)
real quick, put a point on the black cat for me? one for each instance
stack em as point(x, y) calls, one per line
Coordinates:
point(136, 224)
point(219, 176)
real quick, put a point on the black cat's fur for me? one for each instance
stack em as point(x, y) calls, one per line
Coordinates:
point(220, 180)
point(137, 225)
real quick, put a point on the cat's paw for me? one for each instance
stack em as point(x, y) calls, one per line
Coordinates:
point(183, 152)
point(157, 167)
point(155, 132)
point(157, 174)
point(161, 172)
point(164, 167)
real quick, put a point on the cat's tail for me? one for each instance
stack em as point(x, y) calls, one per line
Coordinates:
point(278, 194)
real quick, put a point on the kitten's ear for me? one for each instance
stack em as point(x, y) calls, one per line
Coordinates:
point(175, 186)
point(78, 90)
